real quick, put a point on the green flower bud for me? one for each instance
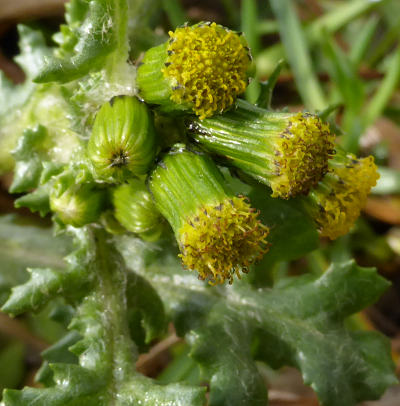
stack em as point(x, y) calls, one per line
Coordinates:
point(289, 152)
point(218, 234)
point(78, 204)
point(136, 211)
point(122, 143)
point(336, 202)
point(202, 69)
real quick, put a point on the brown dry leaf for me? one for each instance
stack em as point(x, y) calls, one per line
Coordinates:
point(386, 209)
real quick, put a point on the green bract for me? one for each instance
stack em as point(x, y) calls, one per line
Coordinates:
point(122, 143)
point(136, 211)
point(78, 204)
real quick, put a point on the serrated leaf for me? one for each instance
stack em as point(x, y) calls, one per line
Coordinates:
point(37, 201)
point(101, 32)
point(229, 338)
point(33, 49)
point(29, 157)
point(44, 285)
point(105, 374)
point(23, 243)
point(57, 353)
point(299, 323)
point(146, 316)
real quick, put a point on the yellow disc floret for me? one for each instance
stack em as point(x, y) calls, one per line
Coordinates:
point(206, 66)
point(221, 240)
point(302, 151)
point(342, 196)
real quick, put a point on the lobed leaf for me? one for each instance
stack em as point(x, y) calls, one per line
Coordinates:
point(99, 33)
point(299, 323)
point(105, 374)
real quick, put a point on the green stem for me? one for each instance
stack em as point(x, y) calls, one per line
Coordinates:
point(102, 316)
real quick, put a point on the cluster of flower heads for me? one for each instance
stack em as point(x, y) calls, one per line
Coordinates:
point(196, 77)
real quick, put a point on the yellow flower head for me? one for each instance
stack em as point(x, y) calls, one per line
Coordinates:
point(342, 194)
point(221, 240)
point(301, 154)
point(207, 67)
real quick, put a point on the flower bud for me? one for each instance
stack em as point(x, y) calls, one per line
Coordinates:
point(77, 205)
point(218, 234)
point(336, 202)
point(202, 69)
point(289, 152)
point(136, 211)
point(122, 143)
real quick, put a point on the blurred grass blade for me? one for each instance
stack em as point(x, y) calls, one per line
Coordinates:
point(176, 14)
point(324, 114)
point(296, 48)
point(351, 93)
point(361, 43)
point(265, 27)
point(232, 12)
point(388, 183)
point(386, 88)
point(249, 18)
point(344, 75)
point(390, 38)
point(329, 22)
point(267, 87)
point(340, 16)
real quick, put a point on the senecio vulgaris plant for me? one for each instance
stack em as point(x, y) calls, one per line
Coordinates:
point(174, 189)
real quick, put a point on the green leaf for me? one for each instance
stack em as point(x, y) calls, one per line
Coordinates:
point(23, 243)
point(223, 349)
point(299, 323)
point(29, 157)
point(146, 315)
point(289, 226)
point(33, 49)
point(105, 374)
point(44, 285)
point(37, 201)
point(100, 33)
point(57, 353)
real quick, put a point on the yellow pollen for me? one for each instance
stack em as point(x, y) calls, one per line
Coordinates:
point(340, 208)
point(206, 66)
point(221, 240)
point(301, 155)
